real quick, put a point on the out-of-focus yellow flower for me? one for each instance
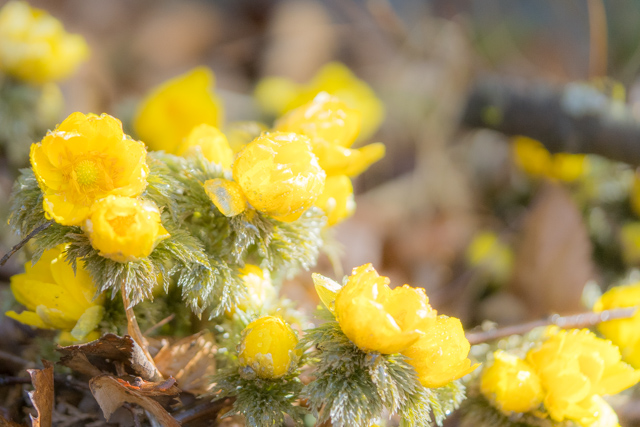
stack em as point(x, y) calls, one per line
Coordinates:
point(34, 46)
point(49, 105)
point(511, 384)
point(124, 229)
point(489, 254)
point(259, 289)
point(606, 416)
point(374, 317)
point(277, 95)
point(279, 175)
point(268, 347)
point(174, 108)
point(625, 333)
point(212, 144)
point(635, 193)
point(226, 195)
point(575, 365)
point(630, 242)
point(332, 128)
point(440, 355)
point(85, 159)
point(337, 199)
point(240, 134)
point(535, 160)
point(57, 298)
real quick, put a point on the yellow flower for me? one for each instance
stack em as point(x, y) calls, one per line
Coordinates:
point(374, 317)
point(606, 416)
point(279, 175)
point(535, 160)
point(490, 255)
point(511, 384)
point(332, 128)
point(174, 108)
point(268, 347)
point(630, 242)
point(277, 95)
point(56, 298)
point(575, 365)
point(85, 159)
point(625, 333)
point(259, 289)
point(635, 193)
point(337, 199)
point(34, 46)
point(124, 229)
point(440, 355)
point(211, 142)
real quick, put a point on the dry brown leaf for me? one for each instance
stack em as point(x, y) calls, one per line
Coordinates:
point(112, 393)
point(191, 361)
point(105, 352)
point(553, 259)
point(42, 397)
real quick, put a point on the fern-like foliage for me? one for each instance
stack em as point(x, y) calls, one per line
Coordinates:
point(352, 387)
point(26, 200)
point(263, 402)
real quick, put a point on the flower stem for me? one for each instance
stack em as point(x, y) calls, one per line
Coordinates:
point(582, 320)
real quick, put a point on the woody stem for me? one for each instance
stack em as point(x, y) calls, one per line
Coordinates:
point(582, 320)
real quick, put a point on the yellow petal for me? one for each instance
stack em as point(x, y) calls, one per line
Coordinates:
point(28, 318)
point(326, 289)
point(226, 195)
point(87, 322)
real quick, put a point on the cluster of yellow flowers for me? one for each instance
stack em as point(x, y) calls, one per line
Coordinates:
point(56, 297)
point(568, 374)
point(531, 156)
point(34, 46)
point(379, 319)
point(91, 175)
point(304, 161)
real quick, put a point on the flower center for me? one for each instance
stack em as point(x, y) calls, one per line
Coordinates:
point(122, 224)
point(86, 172)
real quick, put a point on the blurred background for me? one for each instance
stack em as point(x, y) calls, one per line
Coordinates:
point(492, 226)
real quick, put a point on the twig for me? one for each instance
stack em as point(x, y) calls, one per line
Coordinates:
point(160, 324)
point(16, 360)
point(7, 380)
point(582, 320)
point(24, 241)
point(134, 330)
point(209, 409)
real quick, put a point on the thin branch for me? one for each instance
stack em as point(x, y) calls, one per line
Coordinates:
point(134, 330)
point(582, 320)
point(160, 324)
point(16, 360)
point(210, 410)
point(24, 241)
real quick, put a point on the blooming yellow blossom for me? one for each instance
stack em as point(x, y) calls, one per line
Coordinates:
point(575, 365)
point(212, 144)
point(268, 347)
point(124, 229)
point(625, 333)
point(374, 317)
point(174, 108)
point(606, 416)
point(277, 95)
point(492, 256)
point(440, 355)
point(337, 199)
point(85, 159)
point(279, 175)
point(226, 195)
point(332, 128)
point(57, 298)
point(535, 160)
point(34, 46)
point(511, 384)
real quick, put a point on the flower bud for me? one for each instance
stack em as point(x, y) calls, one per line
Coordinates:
point(268, 347)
